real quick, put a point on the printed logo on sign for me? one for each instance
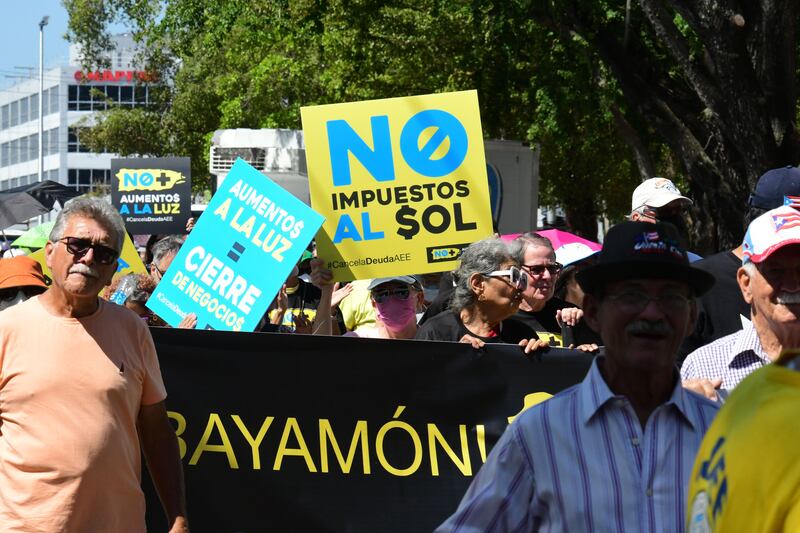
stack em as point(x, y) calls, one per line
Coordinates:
point(448, 252)
point(148, 179)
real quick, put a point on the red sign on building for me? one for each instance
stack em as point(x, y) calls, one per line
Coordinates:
point(114, 76)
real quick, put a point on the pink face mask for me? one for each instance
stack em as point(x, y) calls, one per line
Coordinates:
point(395, 313)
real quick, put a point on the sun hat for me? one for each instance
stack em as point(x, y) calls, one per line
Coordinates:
point(21, 271)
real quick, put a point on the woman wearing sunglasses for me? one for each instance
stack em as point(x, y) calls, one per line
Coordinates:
point(489, 286)
point(548, 317)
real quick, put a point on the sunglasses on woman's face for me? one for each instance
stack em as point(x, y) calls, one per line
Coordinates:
point(514, 276)
point(80, 247)
point(538, 270)
point(381, 295)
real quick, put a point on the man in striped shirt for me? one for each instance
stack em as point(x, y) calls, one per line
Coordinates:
point(615, 452)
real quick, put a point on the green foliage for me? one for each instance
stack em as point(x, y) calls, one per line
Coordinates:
point(254, 63)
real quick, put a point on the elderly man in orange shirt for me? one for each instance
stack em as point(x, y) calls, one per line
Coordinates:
point(80, 388)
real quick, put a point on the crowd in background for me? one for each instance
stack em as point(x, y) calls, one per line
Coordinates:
point(673, 334)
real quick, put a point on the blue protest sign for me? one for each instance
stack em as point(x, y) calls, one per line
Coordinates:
point(238, 255)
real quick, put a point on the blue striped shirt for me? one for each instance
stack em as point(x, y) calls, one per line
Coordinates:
point(581, 462)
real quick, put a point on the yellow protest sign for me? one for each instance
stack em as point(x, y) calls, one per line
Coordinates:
point(129, 260)
point(401, 183)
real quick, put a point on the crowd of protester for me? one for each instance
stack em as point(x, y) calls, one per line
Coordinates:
point(673, 334)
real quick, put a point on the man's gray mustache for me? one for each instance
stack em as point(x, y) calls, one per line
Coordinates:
point(648, 328)
point(86, 270)
point(788, 298)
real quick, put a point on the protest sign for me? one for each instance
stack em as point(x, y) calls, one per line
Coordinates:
point(129, 261)
point(285, 432)
point(401, 183)
point(153, 194)
point(238, 255)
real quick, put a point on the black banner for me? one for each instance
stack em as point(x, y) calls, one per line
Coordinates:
point(153, 194)
point(299, 433)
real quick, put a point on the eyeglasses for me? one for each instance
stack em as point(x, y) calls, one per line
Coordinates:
point(637, 301)
point(79, 247)
point(160, 272)
point(538, 270)
point(659, 214)
point(381, 295)
point(517, 278)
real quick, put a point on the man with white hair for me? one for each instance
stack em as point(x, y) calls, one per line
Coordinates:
point(769, 279)
point(81, 395)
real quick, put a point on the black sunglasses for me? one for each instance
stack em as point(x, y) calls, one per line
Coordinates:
point(538, 270)
point(78, 247)
point(399, 292)
point(29, 290)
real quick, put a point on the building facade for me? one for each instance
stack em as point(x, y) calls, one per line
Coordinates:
point(70, 94)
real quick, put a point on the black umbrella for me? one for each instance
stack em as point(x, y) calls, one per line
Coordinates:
point(23, 203)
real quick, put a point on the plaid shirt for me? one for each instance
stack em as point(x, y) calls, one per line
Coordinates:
point(731, 358)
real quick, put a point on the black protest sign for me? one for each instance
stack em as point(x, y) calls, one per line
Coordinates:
point(301, 433)
point(153, 194)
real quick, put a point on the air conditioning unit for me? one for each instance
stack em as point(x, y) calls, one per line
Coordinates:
point(278, 154)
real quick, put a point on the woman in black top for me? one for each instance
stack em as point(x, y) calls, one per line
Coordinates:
point(489, 285)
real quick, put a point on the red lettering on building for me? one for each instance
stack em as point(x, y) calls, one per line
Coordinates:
point(114, 76)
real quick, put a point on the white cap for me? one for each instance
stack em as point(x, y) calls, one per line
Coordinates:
point(573, 252)
point(656, 192)
point(770, 232)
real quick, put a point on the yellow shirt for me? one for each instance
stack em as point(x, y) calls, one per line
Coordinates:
point(356, 308)
point(747, 473)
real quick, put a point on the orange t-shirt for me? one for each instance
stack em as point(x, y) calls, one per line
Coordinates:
point(70, 392)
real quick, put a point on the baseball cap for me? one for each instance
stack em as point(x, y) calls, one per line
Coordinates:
point(21, 271)
point(656, 192)
point(573, 252)
point(643, 250)
point(770, 232)
point(377, 282)
point(773, 185)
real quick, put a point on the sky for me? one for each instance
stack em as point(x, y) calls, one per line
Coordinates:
point(19, 37)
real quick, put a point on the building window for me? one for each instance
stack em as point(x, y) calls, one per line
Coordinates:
point(23, 110)
point(53, 108)
point(14, 152)
point(74, 141)
point(126, 96)
point(33, 112)
point(33, 146)
point(14, 113)
point(89, 179)
point(84, 98)
point(5, 121)
point(72, 98)
point(4, 154)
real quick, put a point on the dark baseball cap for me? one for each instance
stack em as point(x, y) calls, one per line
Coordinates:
point(643, 250)
point(773, 185)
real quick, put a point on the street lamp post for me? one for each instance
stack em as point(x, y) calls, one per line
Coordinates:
point(42, 24)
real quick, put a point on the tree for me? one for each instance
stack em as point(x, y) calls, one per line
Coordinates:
point(704, 92)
